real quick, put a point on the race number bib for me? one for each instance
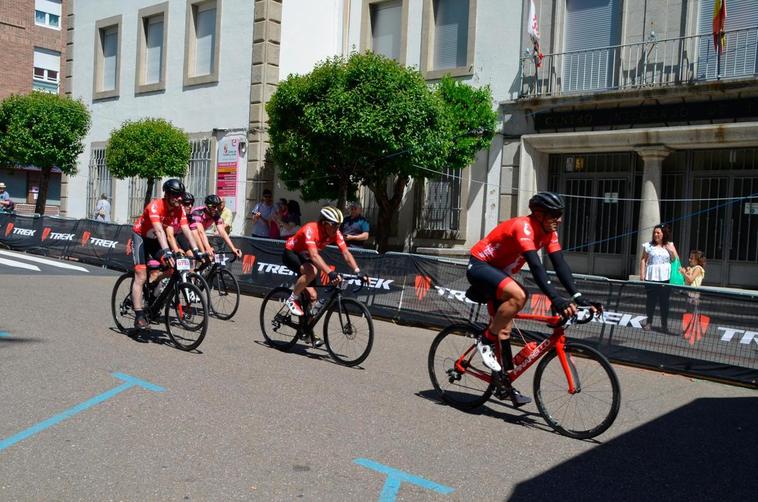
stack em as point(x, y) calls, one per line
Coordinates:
point(183, 264)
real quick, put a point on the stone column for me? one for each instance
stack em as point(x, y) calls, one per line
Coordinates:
point(650, 209)
point(267, 31)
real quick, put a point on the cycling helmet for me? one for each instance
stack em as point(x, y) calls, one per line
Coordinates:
point(546, 201)
point(331, 214)
point(188, 199)
point(173, 187)
point(213, 200)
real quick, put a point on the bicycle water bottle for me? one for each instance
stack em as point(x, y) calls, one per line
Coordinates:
point(524, 353)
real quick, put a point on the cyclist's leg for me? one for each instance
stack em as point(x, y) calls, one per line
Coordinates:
point(296, 263)
point(140, 276)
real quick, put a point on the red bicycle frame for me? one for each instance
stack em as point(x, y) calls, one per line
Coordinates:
point(557, 340)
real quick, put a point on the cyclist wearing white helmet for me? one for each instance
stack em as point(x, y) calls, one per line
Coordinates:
point(301, 255)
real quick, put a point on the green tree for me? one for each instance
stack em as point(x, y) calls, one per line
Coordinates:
point(366, 120)
point(42, 130)
point(149, 148)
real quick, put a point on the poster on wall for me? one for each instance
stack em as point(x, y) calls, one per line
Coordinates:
point(226, 169)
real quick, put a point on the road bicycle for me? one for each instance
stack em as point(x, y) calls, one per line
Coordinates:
point(180, 303)
point(222, 288)
point(348, 328)
point(576, 389)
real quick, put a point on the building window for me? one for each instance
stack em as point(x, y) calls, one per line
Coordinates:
point(99, 180)
point(202, 42)
point(107, 58)
point(592, 35)
point(197, 179)
point(46, 74)
point(384, 26)
point(740, 54)
point(441, 204)
point(137, 189)
point(447, 40)
point(151, 49)
point(47, 13)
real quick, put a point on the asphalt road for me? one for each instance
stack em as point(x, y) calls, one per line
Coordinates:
point(239, 420)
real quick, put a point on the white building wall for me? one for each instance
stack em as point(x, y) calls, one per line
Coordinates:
point(196, 109)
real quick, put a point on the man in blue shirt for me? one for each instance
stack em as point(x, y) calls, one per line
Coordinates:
point(5, 199)
point(355, 227)
point(263, 213)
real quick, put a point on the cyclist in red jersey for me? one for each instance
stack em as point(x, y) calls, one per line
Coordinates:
point(149, 239)
point(301, 255)
point(503, 252)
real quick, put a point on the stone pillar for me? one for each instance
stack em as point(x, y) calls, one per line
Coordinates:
point(650, 209)
point(68, 64)
point(267, 31)
point(533, 174)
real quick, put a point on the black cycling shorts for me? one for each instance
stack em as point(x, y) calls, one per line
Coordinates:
point(294, 261)
point(487, 279)
point(143, 250)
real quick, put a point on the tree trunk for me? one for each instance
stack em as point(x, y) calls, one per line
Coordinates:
point(149, 192)
point(387, 209)
point(44, 181)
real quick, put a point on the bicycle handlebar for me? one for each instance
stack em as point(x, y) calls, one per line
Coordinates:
point(576, 319)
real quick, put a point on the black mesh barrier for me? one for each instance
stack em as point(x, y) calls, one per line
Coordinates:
point(707, 332)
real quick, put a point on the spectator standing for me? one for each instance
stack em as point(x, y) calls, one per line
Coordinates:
point(355, 227)
point(226, 215)
point(693, 276)
point(263, 214)
point(290, 223)
point(655, 271)
point(5, 199)
point(103, 209)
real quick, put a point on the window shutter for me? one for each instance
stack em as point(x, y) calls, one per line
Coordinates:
point(591, 24)
point(739, 56)
point(49, 60)
point(451, 33)
point(49, 6)
point(385, 28)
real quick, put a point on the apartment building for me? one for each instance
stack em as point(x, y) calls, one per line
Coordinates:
point(32, 48)
point(632, 101)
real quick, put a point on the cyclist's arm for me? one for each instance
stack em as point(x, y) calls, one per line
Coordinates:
point(203, 239)
point(188, 234)
point(540, 277)
point(317, 260)
point(563, 271)
point(160, 234)
point(221, 229)
point(348, 257)
point(171, 238)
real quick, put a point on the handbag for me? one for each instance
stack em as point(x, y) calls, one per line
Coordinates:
point(676, 278)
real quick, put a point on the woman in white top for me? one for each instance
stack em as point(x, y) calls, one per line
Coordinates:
point(655, 271)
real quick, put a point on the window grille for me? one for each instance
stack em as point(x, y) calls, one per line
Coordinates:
point(98, 180)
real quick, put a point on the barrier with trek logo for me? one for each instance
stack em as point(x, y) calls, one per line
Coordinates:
point(709, 332)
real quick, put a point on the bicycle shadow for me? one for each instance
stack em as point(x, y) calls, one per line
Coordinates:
point(152, 335)
point(303, 350)
point(509, 413)
point(705, 450)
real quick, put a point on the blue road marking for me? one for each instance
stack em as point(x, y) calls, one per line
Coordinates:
point(129, 382)
point(396, 477)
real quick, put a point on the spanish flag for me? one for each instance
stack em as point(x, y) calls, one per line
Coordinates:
point(719, 21)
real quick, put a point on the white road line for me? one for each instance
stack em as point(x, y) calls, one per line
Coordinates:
point(36, 259)
point(17, 264)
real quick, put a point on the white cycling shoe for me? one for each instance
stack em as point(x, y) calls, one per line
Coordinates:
point(488, 355)
point(294, 307)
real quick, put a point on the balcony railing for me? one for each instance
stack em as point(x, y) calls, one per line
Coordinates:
point(652, 63)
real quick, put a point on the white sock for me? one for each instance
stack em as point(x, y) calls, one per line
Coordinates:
point(292, 297)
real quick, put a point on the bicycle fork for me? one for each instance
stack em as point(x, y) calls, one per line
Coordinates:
point(572, 376)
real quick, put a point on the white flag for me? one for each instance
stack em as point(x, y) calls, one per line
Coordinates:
point(533, 30)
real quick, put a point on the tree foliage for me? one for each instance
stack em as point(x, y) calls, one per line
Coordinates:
point(43, 130)
point(367, 120)
point(149, 148)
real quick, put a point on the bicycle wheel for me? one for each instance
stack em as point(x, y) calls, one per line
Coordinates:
point(589, 411)
point(186, 316)
point(350, 335)
point(467, 385)
point(121, 303)
point(199, 281)
point(224, 294)
point(279, 327)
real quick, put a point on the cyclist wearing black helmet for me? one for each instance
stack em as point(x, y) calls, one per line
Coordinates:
point(502, 253)
point(203, 217)
point(176, 241)
point(149, 239)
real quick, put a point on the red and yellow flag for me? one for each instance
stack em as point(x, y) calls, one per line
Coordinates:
point(719, 23)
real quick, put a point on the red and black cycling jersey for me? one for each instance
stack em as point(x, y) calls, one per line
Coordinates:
point(158, 210)
point(505, 245)
point(312, 235)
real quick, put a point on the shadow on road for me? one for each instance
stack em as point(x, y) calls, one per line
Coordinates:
point(706, 450)
point(301, 349)
point(151, 335)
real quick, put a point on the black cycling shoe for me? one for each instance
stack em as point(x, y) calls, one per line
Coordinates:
point(518, 399)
